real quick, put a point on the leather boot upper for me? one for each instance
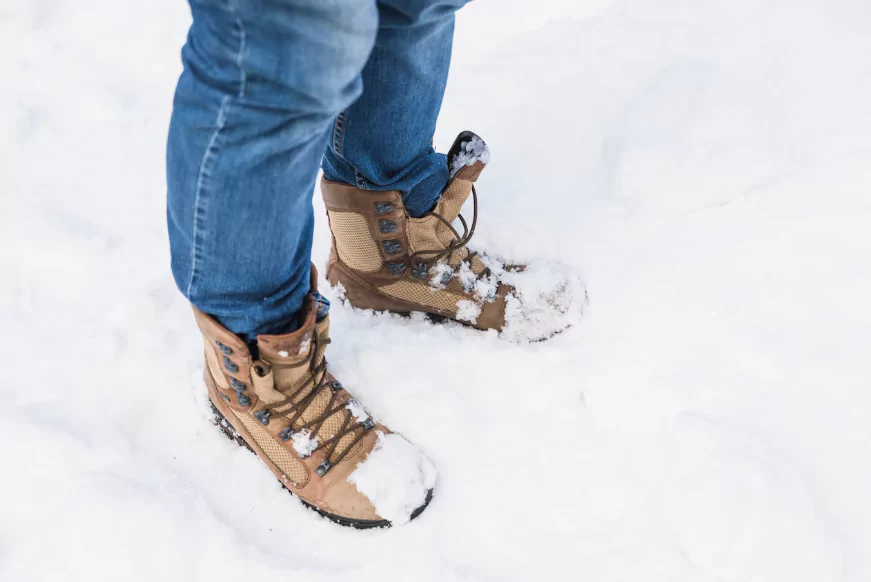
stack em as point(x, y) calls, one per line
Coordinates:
point(301, 421)
point(385, 259)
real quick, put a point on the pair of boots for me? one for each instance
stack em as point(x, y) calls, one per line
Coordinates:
point(304, 425)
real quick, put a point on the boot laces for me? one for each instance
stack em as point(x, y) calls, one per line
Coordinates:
point(319, 382)
point(458, 243)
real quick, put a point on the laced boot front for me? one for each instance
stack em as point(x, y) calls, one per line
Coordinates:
point(385, 259)
point(320, 443)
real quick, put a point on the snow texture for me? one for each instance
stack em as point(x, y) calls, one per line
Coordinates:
point(339, 292)
point(472, 151)
point(396, 478)
point(486, 287)
point(468, 310)
point(441, 274)
point(547, 298)
point(494, 263)
point(705, 164)
point(303, 443)
point(468, 278)
point(357, 410)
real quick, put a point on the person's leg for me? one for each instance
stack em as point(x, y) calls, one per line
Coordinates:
point(262, 83)
point(383, 141)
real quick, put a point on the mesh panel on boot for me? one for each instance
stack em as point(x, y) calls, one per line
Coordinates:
point(292, 467)
point(422, 234)
point(288, 379)
point(478, 265)
point(354, 242)
point(431, 234)
point(423, 294)
point(455, 195)
point(331, 426)
point(453, 198)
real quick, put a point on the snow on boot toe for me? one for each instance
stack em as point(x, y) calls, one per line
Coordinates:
point(387, 260)
point(396, 478)
point(547, 297)
point(285, 405)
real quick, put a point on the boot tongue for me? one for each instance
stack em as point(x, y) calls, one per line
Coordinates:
point(468, 156)
point(292, 361)
point(466, 159)
point(290, 349)
point(290, 355)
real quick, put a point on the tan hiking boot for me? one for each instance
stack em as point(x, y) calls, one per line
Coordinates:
point(386, 260)
point(321, 444)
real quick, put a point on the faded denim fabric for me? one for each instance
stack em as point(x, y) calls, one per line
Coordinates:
point(270, 89)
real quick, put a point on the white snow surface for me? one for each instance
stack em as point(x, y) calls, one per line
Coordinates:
point(548, 297)
point(357, 410)
point(396, 478)
point(705, 164)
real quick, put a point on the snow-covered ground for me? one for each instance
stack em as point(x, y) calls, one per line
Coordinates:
point(706, 163)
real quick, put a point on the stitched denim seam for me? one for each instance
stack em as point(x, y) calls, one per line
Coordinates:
point(211, 150)
point(339, 133)
point(240, 58)
point(199, 201)
point(338, 141)
point(360, 180)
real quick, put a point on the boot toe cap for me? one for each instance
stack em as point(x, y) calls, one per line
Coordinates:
point(343, 500)
point(546, 298)
point(395, 479)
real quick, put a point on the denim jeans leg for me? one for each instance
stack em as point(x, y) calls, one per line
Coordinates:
point(263, 82)
point(384, 140)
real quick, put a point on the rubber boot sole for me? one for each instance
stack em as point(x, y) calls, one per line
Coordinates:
point(230, 432)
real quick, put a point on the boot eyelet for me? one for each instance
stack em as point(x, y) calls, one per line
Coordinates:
point(387, 225)
point(230, 365)
point(286, 434)
point(237, 385)
point(336, 386)
point(396, 268)
point(391, 247)
point(262, 416)
point(383, 207)
point(368, 424)
point(420, 271)
point(226, 350)
point(225, 397)
point(243, 400)
point(322, 469)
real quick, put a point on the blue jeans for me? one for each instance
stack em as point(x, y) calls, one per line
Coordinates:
point(270, 90)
